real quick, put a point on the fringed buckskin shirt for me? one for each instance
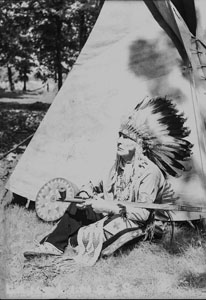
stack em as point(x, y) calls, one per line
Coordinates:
point(141, 181)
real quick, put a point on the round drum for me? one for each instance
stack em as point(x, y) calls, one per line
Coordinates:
point(47, 206)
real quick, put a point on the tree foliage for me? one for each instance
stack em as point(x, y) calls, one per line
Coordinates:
point(12, 25)
point(48, 34)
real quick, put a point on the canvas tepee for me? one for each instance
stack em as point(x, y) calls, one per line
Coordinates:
point(134, 50)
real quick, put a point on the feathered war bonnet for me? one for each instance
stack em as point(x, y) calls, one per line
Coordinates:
point(160, 127)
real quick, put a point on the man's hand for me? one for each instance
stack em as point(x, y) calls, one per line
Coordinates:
point(99, 205)
point(87, 189)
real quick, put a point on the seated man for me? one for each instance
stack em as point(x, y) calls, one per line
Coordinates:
point(150, 147)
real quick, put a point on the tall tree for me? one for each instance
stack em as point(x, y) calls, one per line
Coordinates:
point(58, 36)
point(51, 32)
point(25, 57)
point(14, 26)
point(8, 37)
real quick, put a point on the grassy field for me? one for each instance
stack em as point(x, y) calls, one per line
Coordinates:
point(150, 270)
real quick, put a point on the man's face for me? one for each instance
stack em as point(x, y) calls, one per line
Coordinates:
point(125, 146)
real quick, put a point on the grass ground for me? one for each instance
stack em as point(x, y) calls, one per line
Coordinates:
point(150, 270)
